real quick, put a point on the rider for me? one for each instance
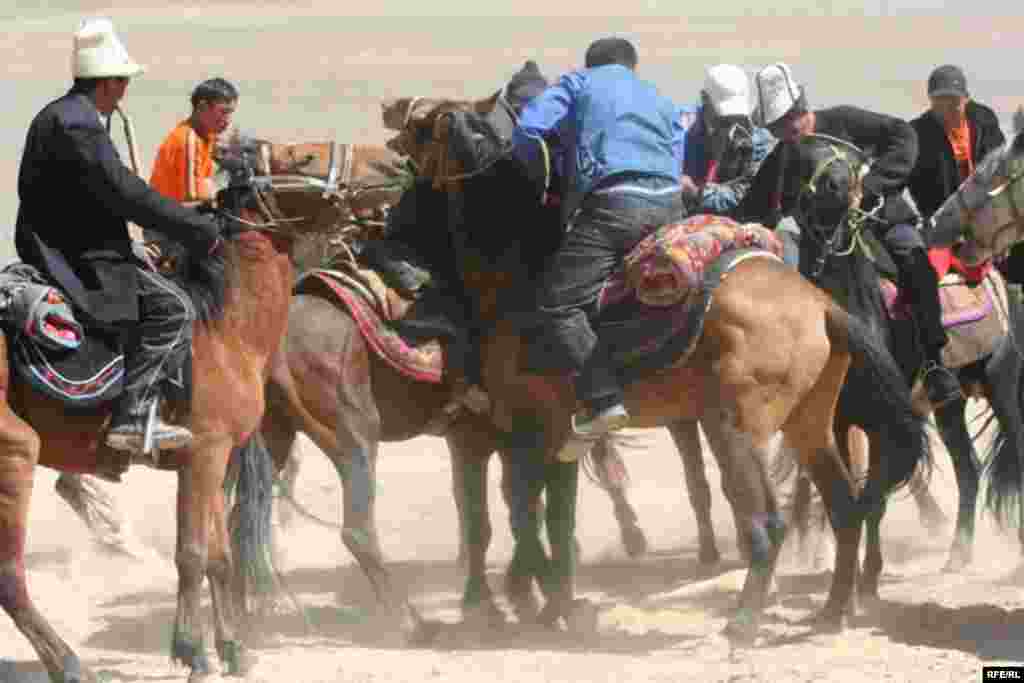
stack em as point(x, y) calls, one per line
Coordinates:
point(955, 133)
point(183, 169)
point(76, 197)
point(723, 149)
point(773, 195)
point(621, 163)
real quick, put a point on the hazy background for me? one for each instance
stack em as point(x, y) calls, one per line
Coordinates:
point(318, 70)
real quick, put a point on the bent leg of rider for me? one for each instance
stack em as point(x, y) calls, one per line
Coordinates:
point(920, 285)
point(162, 342)
point(610, 222)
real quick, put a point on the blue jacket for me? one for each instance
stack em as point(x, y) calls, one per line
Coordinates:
point(607, 122)
point(736, 169)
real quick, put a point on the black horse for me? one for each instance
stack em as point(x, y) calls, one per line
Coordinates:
point(834, 232)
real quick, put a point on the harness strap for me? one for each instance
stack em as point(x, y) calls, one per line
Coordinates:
point(332, 170)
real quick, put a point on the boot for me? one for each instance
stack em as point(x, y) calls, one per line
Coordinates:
point(920, 282)
point(127, 430)
point(597, 386)
point(940, 383)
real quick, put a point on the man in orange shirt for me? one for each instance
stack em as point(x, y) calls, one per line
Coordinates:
point(183, 169)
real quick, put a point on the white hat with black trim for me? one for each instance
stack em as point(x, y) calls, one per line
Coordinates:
point(777, 92)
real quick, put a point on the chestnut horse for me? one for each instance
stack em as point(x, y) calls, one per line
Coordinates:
point(762, 364)
point(242, 295)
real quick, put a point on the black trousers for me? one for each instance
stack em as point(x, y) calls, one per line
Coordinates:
point(609, 223)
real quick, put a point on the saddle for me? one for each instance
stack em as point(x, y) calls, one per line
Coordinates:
point(974, 314)
point(973, 300)
point(80, 365)
point(406, 327)
point(651, 311)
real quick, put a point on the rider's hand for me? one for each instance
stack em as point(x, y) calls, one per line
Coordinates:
point(690, 188)
point(206, 239)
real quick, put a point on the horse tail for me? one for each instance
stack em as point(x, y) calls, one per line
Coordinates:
point(1003, 470)
point(253, 477)
point(876, 397)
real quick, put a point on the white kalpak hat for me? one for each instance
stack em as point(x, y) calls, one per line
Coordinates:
point(777, 92)
point(99, 53)
point(728, 89)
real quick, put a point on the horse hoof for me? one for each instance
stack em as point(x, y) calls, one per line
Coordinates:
point(582, 619)
point(634, 541)
point(957, 562)
point(741, 631)
point(424, 633)
point(485, 616)
point(709, 555)
point(828, 620)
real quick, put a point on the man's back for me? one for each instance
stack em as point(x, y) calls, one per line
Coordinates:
point(57, 192)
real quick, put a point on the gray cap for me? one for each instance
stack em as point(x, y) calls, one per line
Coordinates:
point(947, 80)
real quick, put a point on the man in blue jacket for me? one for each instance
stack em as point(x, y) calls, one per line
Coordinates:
point(620, 157)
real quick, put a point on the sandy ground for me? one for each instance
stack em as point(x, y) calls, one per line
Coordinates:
point(313, 72)
point(660, 615)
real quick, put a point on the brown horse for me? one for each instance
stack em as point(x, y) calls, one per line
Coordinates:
point(242, 295)
point(762, 364)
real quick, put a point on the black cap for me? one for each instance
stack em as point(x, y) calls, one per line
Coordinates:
point(947, 80)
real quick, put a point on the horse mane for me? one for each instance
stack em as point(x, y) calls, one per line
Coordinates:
point(205, 279)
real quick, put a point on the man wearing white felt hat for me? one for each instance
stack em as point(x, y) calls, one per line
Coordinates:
point(76, 198)
point(776, 190)
point(723, 148)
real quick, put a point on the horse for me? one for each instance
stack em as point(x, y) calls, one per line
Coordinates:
point(241, 294)
point(981, 221)
point(833, 230)
point(760, 365)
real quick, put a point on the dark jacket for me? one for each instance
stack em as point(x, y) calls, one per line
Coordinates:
point(76, 198)
point(889, 140)
point(936, 175)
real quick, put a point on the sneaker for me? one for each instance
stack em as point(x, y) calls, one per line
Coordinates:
point(940, 384)
point(608, 420)
point(130, 436)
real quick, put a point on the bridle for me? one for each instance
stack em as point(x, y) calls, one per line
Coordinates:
point(841, 242)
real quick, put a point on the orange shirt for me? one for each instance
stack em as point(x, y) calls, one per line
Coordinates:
point(960, 141)
point(183, 165)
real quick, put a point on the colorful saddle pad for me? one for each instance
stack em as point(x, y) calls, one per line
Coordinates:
point(375, 307)
point(651, 311)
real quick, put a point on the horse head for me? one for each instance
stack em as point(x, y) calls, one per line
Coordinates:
point(985, 216)
point(424, 133)
point(830, 172)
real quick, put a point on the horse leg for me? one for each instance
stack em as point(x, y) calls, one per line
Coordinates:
point(94, 505)
point(687, 438)
point(928, 509)
point(847, 519)
point(19, 453)
point(522, 486)
point(198, 483)
point(471, 446)
point(235, 659)
point(759, 525)
point(610, 468)
point(562, 488)
point(953, 428)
